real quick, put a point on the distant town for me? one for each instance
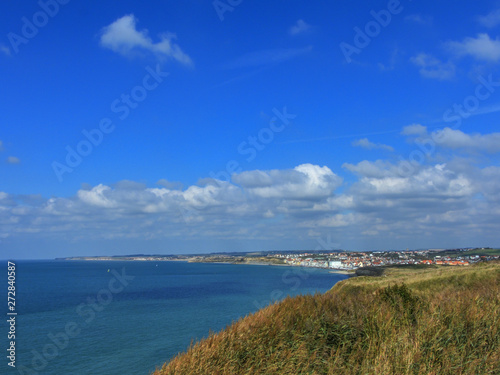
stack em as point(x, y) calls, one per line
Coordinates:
point(352, 261)
point(334, 260)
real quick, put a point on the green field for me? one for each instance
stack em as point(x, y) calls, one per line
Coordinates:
point(470, 252)
point(484, 252)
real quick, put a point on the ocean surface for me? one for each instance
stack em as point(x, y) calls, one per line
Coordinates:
point(110, 318)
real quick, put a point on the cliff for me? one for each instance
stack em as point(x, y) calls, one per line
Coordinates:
point(408, 321)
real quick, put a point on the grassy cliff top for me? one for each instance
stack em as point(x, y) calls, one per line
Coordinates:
point(434, 320)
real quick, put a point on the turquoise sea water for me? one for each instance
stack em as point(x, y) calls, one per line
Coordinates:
point(107, 318)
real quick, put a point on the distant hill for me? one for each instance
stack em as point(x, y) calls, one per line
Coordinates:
point(438, 320)
point(480, 252)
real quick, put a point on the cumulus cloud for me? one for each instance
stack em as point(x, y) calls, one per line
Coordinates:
point(434, 202)
point(491, 20)
point(414, 129)
point(372, 169)
point(173, 185)
point(430, 182)
point(456, 139)
point(367, 144)
point(300, 27)
point(98, 196)
point(331, 221)
point(431, 67)
point(378, 206)
point(13, 160)
point(486, 182)
point(306, 181)
point(122, 37)
point(481, 48)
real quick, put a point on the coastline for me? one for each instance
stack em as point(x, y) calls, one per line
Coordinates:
point(330, 270)
point(196, 260)
point(304, 319)
point(344, 272)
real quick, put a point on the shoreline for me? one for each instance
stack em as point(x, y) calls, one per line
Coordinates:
point(190, 260)
point(344, 272)
point(330, 270)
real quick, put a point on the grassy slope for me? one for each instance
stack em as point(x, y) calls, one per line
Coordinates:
point(410, 321)
point(454, 254)
point(483, 252)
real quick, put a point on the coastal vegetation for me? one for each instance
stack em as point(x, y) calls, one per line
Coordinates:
point(238, 260)
point(409, 320)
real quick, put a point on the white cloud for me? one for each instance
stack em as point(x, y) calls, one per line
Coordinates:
point(333, 221)
point(431, 67)
point(336, 204)
point(487, 183)
point(13, 160)
point(430, 182)
point(376, 169)
point(173, 185)
point(377, 207)
point(365, 143)
point(300, 27)
point(306, 181)
point(212, 196)
point(453, 139)
point(491, 20)
point(481, 48)
point(123, 37)
point(456, 139)
point(414, 129)
point(97, 196)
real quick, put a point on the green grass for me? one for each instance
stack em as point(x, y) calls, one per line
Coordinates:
point(483, 252)
point(435, 320)
point(455, 254)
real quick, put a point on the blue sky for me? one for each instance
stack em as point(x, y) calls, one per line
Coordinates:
point(199, 126)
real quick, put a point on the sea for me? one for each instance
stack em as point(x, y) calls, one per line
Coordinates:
point(130, 317)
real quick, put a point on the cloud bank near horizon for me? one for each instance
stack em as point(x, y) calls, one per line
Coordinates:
point(449, 199)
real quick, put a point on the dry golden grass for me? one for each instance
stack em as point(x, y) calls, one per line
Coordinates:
point(428, 321)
